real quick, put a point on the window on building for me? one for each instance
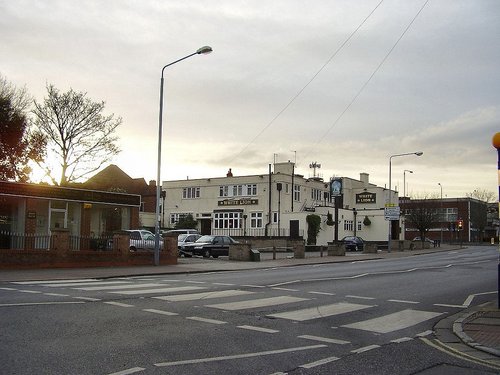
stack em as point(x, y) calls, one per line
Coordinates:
point(296, 192)
point(360, 225)
point(349, 225)
point(276, 217)
point(287, 189)
point(316, 194)
point(252, 189)
point(190, 193)
point(227, 220)
point(224, 191)
point(176, 216)
point(256, 220)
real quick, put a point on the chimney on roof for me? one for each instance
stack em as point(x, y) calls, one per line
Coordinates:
point(152, 183)
point(229, 173)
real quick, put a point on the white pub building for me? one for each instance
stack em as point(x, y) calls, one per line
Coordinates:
point(277, 203)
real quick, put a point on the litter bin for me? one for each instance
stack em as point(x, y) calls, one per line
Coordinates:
point(255, 255)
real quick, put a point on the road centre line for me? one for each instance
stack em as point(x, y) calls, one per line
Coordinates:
point(320, 362)
point(324, 339)
point(118, 304)
point(253, 286)
point(205, 320)
point(258, 329)
point(161, 312)
point(223, 284)
point(88, 299)
point(323, 293)
point(8, 288)
point(56, 294)
point(285, 283)
point(365, 349)
point(403, 301)
point(29, 291)
point(360, 297)
point(129, 371)
point(238, 356)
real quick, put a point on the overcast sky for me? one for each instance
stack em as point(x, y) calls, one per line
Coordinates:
point(416, 76)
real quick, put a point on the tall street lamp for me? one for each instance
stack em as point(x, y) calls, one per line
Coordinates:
point(441, 209)
point(418, 153)
point(201, 51)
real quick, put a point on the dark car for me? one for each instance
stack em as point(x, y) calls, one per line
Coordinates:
point(353, 243)
point(184, 240)
point(207, 246)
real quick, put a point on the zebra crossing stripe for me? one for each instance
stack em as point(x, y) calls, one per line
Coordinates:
point(250, 304)
point(159, 290)
point(321, 311)
point(204, 295)
point(394, 322)
point(75, 284)
point(117, 287)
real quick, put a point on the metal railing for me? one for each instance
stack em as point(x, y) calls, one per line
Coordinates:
point(94, 243)
point(24, 241)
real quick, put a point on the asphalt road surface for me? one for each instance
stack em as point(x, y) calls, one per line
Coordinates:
point(372, 317)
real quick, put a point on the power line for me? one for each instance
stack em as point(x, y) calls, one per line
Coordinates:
point(307, 84)
point(370, 78)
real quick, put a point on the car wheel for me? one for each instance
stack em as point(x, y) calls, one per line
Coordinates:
point(132, 248)
point(206, 253)
point(215, 256)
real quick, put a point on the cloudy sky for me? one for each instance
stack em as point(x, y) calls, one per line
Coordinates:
point(342, 83)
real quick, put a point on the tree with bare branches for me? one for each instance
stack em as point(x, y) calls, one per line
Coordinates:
point(80, 137)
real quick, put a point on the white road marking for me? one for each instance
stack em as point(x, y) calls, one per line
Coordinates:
point(253, 286)
point(196, 282)
point(469, 299)
point(88, 299)
point(285, 283)
point(238, 356)
point(425, 333)
point(223, 284)
point(360, 297)
point(394, 322)
point(159, 290)
point(286, 289)
point(74, 284)
point(323, 293)
point(161, 312)
point(7, 288)
point(320, 362)
point(324, 339)
point(403, 301)
point(29, 291)
point(320, 311)
point(205, 320)
point(52, 281)
point(39, 303)
point(250, 304)
point(56, 294)
point(132, 370)
point(204, 295)
point(454, 306)
point(402, 339)
point(118, 304)
point(118, 287)
point(259, 329)
point(365, 349)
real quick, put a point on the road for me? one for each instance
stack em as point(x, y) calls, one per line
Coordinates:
point(371, 317)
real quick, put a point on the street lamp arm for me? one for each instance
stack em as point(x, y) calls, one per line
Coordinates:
point(200, 51)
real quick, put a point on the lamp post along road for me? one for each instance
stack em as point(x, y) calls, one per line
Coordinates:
point(418, 153)
point(441, 216)
point(496, 144)
point(404, 181)
point(203, 50)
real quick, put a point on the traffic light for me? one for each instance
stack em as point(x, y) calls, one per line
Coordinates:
point(460, 224)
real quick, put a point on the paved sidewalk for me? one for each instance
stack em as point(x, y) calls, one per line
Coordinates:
point(474, 332)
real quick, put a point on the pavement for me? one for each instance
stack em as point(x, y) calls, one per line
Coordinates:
point(473, 333)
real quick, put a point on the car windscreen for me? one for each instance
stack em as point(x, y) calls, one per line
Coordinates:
point(205, 239)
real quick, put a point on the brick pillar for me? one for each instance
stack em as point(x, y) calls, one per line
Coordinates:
point(121, 244)
point(299, 249)
point(170, 250)
point(59, 242)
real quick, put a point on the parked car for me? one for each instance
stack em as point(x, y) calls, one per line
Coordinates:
point(207, 246)
point(419, 239)
point(186, 239)
point(141, 239)
point(353, 243)
point(180, 231)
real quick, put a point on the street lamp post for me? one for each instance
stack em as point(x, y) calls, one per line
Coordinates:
point(404, 181)
point(418, 153)
point(441, 209)
point(203, 50)
point(496, 144)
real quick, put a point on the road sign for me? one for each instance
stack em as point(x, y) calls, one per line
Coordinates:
point(392, 213)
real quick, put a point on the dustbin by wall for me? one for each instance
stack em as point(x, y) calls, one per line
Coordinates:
point(255, 255)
